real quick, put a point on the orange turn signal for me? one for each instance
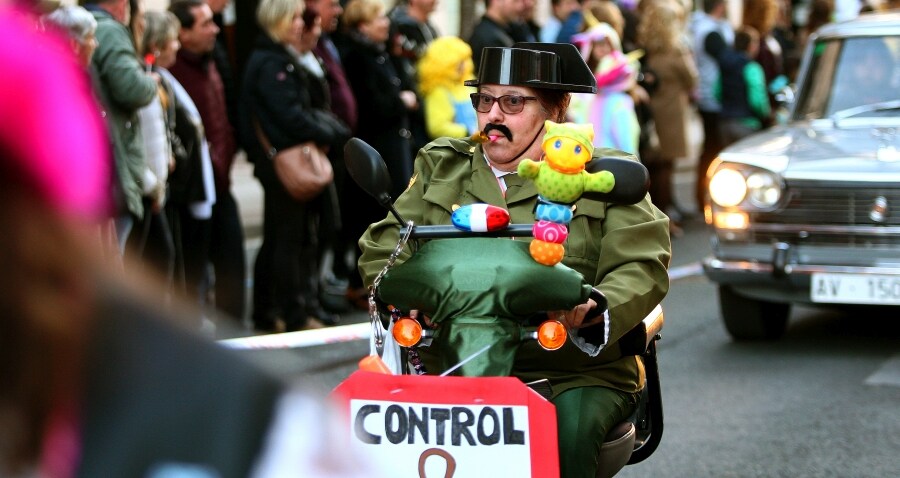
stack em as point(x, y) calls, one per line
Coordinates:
point(407, 332)
point(551, 334)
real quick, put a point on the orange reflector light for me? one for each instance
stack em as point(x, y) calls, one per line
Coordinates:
point(373, 363)
point(551, 334)
point(407, 332)
point(732, 220)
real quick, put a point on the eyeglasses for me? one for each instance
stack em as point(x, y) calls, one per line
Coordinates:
point(509, 104)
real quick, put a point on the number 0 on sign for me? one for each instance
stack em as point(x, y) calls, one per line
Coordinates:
point(855, 289)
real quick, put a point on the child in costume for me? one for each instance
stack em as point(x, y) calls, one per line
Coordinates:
point(611, 110)
point(448, 109)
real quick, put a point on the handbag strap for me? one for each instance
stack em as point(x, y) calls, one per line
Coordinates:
point(263, 139)
point(267, 146)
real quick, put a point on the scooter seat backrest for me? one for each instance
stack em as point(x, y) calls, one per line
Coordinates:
point(616, 449)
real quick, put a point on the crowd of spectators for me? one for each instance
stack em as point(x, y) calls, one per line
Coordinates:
point(181, 98)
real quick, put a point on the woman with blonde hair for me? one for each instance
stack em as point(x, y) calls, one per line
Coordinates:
point(670, 62)
point(280, 105)
point(447, 62)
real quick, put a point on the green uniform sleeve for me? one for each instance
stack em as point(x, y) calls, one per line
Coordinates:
point(634, 258)
point(381, 238)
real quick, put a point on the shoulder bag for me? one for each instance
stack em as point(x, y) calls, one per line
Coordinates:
point(303, 169)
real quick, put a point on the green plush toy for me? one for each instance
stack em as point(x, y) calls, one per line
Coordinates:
point(561, 176)
point(560, 180)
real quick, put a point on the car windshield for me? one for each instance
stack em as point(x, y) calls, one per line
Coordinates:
point(852, 77)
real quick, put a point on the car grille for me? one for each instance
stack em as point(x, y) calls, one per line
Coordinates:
point(828, 216)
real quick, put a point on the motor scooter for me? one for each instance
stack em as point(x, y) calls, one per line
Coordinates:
point(455, 277)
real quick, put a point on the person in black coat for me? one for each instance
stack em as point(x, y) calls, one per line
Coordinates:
point(382, 102)
point(287, 103)
point(495, 28)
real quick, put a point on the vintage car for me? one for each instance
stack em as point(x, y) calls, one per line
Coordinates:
point(809, 211)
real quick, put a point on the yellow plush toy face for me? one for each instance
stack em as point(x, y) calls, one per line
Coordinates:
point(566, 154)
point(568, 146)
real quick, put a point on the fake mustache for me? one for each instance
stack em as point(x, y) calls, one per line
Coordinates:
point(502, 129)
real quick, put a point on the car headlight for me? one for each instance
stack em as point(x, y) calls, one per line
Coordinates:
point(727, 187)
point(764, 190)
point(730, 186)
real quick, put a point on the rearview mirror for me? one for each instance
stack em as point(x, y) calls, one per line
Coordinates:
point(368, 170)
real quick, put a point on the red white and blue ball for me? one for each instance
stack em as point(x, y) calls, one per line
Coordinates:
point(480, 217)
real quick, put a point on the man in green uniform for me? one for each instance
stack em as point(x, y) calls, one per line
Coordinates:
point(623, 250)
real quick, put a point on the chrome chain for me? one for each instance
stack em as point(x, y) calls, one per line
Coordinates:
point(377, 328)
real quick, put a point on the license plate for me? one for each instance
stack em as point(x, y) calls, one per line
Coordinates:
point(855, 289)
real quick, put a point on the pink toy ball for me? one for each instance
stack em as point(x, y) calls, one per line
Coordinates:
point(550, 232)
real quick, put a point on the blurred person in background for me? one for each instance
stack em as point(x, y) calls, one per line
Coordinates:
point(332, 290)
point(762, 16)
point(191, 191)
point(223, 59)
point(80, 27)
point(445, 65)
point(93, 380)
point(711, 33)
point(339, 256)
point(565, 19)
point(741, 88)
point(382, 103)
point(660, 34)
point(821, 12)
point(152, 241)
point(283, 101)
point(611, 109)
point(412, 28)
point(526, 29)
point(410, 34)
point(123, 88)
point(495, 27)
point(605, 11)
point(196, 70)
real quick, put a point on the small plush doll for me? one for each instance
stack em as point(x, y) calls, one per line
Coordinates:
point(561, 180)
point(561, 177)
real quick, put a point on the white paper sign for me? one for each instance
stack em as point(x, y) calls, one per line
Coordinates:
point(479, 440)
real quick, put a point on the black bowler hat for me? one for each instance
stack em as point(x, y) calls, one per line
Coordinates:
point(553, 66)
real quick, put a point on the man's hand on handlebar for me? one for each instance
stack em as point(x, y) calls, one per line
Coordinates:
point(575, 318)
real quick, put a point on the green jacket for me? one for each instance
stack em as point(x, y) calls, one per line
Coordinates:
point(623, 250)
point(124, 89)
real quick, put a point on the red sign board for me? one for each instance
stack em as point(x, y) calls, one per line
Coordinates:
point(430, 426)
